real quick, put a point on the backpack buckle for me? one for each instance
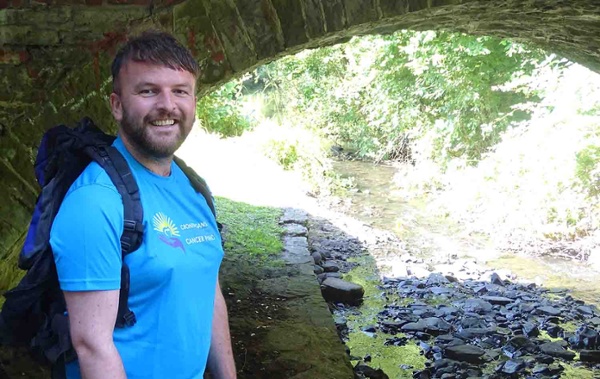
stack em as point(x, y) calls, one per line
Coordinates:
point(129, 319)
point(133, 226)
point(132, 235)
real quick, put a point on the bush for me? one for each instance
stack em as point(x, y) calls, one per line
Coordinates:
point(221, 111)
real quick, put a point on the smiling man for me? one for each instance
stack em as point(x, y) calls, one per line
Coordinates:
point(181, 315)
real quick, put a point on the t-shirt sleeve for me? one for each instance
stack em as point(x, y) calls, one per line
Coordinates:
point(85, 239)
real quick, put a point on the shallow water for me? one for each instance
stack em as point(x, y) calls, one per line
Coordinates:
point(377, 202)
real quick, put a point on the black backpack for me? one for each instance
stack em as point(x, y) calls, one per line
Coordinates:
point(34, 312)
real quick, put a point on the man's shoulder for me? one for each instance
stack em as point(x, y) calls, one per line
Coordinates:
point(93, 176)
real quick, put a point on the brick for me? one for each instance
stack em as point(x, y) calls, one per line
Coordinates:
point(28, 35)
point(55, 18)
point(24, 56)
point(417, 5)
point(9, 57)
point(12, 16)
point(14, 57)
point(3, 4)
point(69, 2)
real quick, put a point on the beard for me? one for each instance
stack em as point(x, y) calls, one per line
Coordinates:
point(140, 134)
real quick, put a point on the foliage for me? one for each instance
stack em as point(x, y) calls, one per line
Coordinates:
point(588, 169)
point(502, 136)
point(221, 112)
point(374, 93)
point(250, 230)
point(538, 188)
point(301, 151)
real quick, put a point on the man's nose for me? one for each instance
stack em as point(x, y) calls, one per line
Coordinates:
point(166, 101)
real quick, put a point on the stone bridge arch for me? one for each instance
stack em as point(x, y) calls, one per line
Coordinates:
point(55, 54)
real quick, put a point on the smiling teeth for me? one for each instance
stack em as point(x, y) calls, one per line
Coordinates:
point(163, 122)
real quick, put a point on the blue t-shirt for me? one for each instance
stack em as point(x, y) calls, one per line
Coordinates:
point(173, 273)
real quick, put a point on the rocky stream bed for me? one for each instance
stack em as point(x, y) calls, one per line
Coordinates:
point(462, 319)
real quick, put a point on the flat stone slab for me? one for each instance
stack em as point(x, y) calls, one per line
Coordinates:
point(293, 215)
point(554, 349)
point(295, 250)
point(548, 310)
point(330, 267)
point(501, 300)
point(465, 353)
point(295, 230)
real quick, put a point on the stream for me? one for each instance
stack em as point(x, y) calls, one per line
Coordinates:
point(375, 202)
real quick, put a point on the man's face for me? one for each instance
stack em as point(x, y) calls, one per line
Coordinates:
point(156, 107)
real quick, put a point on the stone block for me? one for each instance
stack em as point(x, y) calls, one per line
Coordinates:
point(262, 26)
point(13, 57)
point(28, 35)
point(232, 33)
point(417, 5)
point(56, 18)
point(194, 28)
point(339, 290)
point(315, 18)
point(107, 19)
point(10, 16)
point(391, 8)
point(295, 230)
point(335, 17)
point(360, 12)
point(292, 215)
point(292, 20)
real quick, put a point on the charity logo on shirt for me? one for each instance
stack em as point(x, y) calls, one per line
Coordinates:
point(167, 231)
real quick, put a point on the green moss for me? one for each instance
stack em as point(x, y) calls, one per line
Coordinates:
point(365, 274)
point(576, 373)
point(250, 230)
point(570, 326)
point(546, 336)
point(387, 358)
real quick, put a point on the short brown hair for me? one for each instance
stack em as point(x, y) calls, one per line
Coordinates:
point(155, 47)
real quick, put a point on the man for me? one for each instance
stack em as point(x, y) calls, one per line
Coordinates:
point(181, 314)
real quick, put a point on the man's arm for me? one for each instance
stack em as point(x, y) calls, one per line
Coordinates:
point(92, 317)
point(220, 357)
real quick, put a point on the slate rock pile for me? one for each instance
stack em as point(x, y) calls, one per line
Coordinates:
point(476, 324)
point(330, 258)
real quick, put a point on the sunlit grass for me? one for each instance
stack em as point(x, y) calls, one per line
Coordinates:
point(250, 229)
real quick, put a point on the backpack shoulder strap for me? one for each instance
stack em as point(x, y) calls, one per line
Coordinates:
point(117, 168)
point(198, 183)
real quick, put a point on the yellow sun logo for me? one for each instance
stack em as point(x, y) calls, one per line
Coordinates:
point(164, 224)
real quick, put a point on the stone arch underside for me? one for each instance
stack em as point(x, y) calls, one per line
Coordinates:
point(55, 54)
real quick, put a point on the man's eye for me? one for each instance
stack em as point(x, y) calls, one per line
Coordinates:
point(180, 92)
point(146, 92)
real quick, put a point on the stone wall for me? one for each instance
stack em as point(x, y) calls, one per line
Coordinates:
point(55, 54)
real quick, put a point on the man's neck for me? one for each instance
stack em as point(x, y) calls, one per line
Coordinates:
point(159, 166)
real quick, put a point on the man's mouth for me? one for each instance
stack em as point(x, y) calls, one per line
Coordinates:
point(167, 122)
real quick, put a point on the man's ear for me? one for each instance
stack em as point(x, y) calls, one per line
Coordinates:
point(116, 107)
